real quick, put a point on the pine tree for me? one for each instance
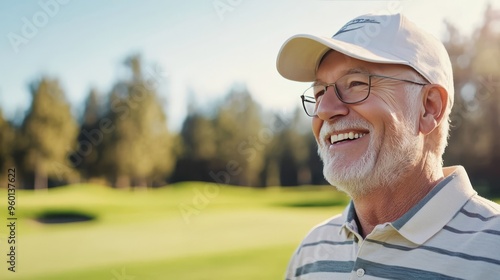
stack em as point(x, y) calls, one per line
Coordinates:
point(198, 149)
point(48, 133)
point(7, 134)
point(198, 137)
point(139, 151)
point(290, 152)
point(90, 137)
point(241, 140)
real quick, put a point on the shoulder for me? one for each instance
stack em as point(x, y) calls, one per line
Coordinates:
point(478, 224)
point(482, 207)
point(328, 234)
point(320, 245)
point(324, 229)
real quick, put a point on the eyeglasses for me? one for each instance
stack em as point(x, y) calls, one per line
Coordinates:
point(350, 89)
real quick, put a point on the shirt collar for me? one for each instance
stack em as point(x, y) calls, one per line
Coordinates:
point(350, 225)
point(431, 214)
point(437, 208)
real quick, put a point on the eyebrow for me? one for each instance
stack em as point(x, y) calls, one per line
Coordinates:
point(357, 70)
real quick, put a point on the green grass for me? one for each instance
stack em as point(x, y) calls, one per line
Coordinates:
point(184, 231)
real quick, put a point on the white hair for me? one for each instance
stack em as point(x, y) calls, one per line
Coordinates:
point(443, 130)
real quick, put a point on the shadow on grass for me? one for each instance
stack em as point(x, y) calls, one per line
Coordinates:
point(63, 217)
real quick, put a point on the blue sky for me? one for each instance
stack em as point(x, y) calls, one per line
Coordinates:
point(201, 46)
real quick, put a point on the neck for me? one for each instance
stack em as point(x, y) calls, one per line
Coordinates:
point(394, 201)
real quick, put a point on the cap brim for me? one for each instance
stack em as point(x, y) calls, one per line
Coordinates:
point(300, 55)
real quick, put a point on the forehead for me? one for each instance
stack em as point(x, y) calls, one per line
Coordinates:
point(335, 65)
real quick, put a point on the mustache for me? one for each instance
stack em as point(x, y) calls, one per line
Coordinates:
point(330, 127)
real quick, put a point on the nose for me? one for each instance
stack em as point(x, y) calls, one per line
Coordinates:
point(331, 106)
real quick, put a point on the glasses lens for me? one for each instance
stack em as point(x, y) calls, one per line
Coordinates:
point(309, 101)
point(353, 88)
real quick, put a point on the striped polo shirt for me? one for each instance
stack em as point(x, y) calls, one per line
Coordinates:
point(452, 233)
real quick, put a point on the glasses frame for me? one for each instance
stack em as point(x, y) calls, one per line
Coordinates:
point(308, 99)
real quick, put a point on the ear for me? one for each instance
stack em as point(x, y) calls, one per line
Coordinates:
point(435, 102)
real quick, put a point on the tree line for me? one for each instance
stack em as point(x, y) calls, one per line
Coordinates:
point(475, 131)
point(122, 138)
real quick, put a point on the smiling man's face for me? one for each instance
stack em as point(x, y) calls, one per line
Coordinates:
point(383, 142)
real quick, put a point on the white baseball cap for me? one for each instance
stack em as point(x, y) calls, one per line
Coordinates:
point(378, 38)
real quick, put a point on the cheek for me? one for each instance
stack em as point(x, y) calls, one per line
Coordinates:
point(316, 127)
point(389, 99)
point(392, 111)
point(401, 117)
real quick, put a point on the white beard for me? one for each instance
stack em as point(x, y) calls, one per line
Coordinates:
point(381, 166)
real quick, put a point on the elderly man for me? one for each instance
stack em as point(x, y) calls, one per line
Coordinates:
point(380, 102)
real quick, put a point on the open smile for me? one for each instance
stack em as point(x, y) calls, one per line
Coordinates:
point(337, 138)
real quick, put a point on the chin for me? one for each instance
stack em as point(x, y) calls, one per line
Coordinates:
point(351, 179)
point(369, 173)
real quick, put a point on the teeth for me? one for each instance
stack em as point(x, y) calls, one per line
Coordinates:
point(342, 136)
point(334, 139)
